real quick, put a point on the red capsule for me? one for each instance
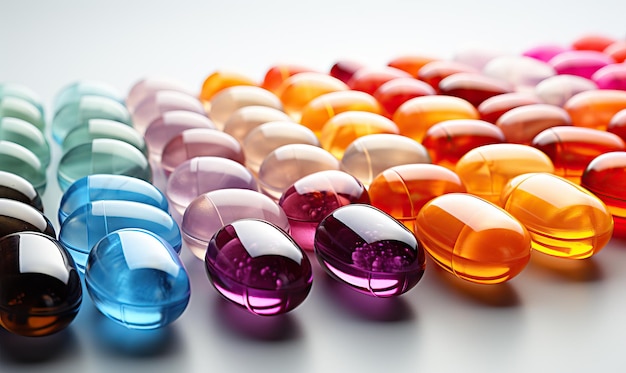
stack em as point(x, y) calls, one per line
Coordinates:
point(475, 88)
point(369, 80)
point(592, 42)
point(343, 70)
point(433, 72)
point(617, 125)
point(276, 75)
point(492, 108)
point(520, 125)
point(397, 91)
point(617, 50)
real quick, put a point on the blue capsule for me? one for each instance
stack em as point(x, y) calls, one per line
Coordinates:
point(109, 187)
point(91, 222)
point(149, 287)
point(76, 90)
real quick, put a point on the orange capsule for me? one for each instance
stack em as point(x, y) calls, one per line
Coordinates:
point(492, 108)
point(410, 64)
point(473, 239)
point(401, 191)
point(369, 80)
point(475, 88)
point(299, 89)
point(594, 109)
point(433, 72)
point(346, 127)
point(449, 140)
point(319, 110)
point(572, 148)
point(398, 91)
point(592, 42)
point(563, 219)
point(521, 125)
point(617, 51)
point(219, 80)
point(417, 115)
point(276, 76)
point(486, 170)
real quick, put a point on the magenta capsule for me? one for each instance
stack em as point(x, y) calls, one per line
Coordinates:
point(153, 106)
point(520, 125)
point(582, 63)
point(544, 52)
point(492, 108)
point(475, 88)
point(611, 77)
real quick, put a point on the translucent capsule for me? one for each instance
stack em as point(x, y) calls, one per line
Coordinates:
point(572, 148)
point(486, 170)
point(611, 77)
point(617, 125)
point(473, 239)
point(434, 72)
point(40, 289)
point(160, 102)
point(19, 108)
point(22, 92)
point(87, 225)
point(472, 87)
point(368, 80)
point(207, 213)
point(313, 197)
point(596, 108)
point(298, 90)
point(228, 100)
point(605, 177)
point(102, 156)
point(255, 265)
point(401, 191)
point(16, 217)
point(369, 251)
point(76, 90)
point(544, 52)
point(150, 287)
point(345, 69)
point(476, 56)
point(319, 110)
point(148, 86)
point(246, 119)
point(76, 113)
point(593, 42)
point(200, 142)
point(563, 219)
point(520, 125)
point(417, 115)
point(581, 63)
point(395, 92)
point(369, 155)
point(104, 129)
point(520, 71)
point(492, 108)
point(288, 163)
point(18, 160)
point(267, 137)
point(410, 63)
point(617, 51)
point(342, 129)
point(557, 90)
point(27, 135)
point(204, 174)
point(220, 80)
point(276, 76)
point(103, 187)
point(19, 189)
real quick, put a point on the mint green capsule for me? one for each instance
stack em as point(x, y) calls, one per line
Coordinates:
point(20, 161)
point(76, 90)
point(104, 129)
point(23, 92)
point(102, 156)
point(19, 108)
point(26, 134)
point(77, 112)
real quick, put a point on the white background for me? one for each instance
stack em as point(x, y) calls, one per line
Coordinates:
point(556, 316)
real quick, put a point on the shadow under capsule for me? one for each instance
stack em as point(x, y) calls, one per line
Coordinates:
point(573, 270)
point(37, 350)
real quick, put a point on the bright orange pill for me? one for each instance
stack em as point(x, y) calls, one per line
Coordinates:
point(486, 170)
point(521, 125)
point(594, 109)
point(473, 87)
point(298, 90)
point(219, 80)
point(473, 239)
point(617, 50)
point(417, 115)
point(276, 76)
point(398, 91)
point(592, 42)
point(492, 108)
point(433, 72)
point(564, 219)
point(410, 64)
point(369, 80)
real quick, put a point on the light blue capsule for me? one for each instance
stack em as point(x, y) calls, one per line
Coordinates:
point(16, 107)
point(135, 278)
point(82, 88)
point(18, 160)
point(109, 187)
point(104, 129)
point(23, 92)
point(26, 134)
point(82, 229)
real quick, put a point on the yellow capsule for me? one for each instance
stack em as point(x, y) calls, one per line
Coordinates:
point(299, 89)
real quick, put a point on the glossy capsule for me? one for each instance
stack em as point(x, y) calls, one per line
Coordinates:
point(298, 90)
point(160, 102)
point(472, 87)
point(109, 187)
point(368, 80)
point(148, 86)
point(611, 77)
point(27, 135)
point(544, 52)
point(345, 69)
point(605, 177)
point(40, 289)
point(19, 189)
point(313, 197)
point(276, 76)
point(247, 118)
point(617, 51)
point(592, 42)
point(558, 89)
point(410, 63)
point(617, 125)
point(228, 100)
point(16, 217)
point(492, 108)
point(434, 72)
point(87, 225)
point(581, 63)
point(22, 92)
point(256, 265)
point(369, 251)
point(150, 288)
point(563, 219)
point(395, 92)
point(486, 170)
point(16, 107)
point(595, 108)
point(572, 148)
point(104, 129)
point(522, 72)
point(477, 56)
point(220, 80)
point(473, 239)
point(520, 125)
point(17, 159)
point(78, 89)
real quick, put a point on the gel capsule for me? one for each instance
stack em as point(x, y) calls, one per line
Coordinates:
point(40, 289)
point(492, 108)
point(395, 92)
point(557, 90)
point(91, 222)
point(18, 160)
point(150, 287)
point(473, 239)
point(477, 56)
point(520, 125)
point(605, 177)
point(369, 155)
point(244, 120)
point(486, 170)
point(563, 219)
point(611, 77)
point(15, 107)
point(368, 80)
point(276, 76)
point(102, 156)
point(160, 102)
point(345, 69)
point(220, 80)
point(473, 87)
point(313, 197)
point(369, 251)
point(299, 89)
point(148, 86)
point(617, 125)
point(104, 129)
point(206, 214)
point(26, 134)
point(19, 189)
point(592, 42)
point(109, 187)
point(594, 109)
point(401, 191)
point(410, 63)
point(228, 100)
point(22, 92)
point(76, 90)
point(544, 52)
point(434, 72)
point(572, 148)
point(581, 63)
point(522, 72)
point(16, 217)
point(617, 51)
point(256, 265)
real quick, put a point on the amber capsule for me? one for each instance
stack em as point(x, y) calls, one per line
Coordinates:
point(449, 140)
point(220, 80)
point(592, 42)
point(276, 76)
point(475, 88)
point(369, 79)
point(346, 127)
point(402, 191)
point(228, 100)
point(473, 239)
point(343, 70)
point(617, 125)
point(486, 169)
point(557, 90)
point(617, 51)
point(398, 91)
point(492, 108)
point(410, 64)
point(594, 109)
point(417, 115)
point(563, 219)
point(520, 125)
point(572, 148)
point(299, 89)
point(433, 72)
point(605, 177)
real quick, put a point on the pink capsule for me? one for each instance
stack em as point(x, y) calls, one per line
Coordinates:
point(520, 125)
point(160, 102)
point(544, 52)
point(580, 62)
point(611, 77)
